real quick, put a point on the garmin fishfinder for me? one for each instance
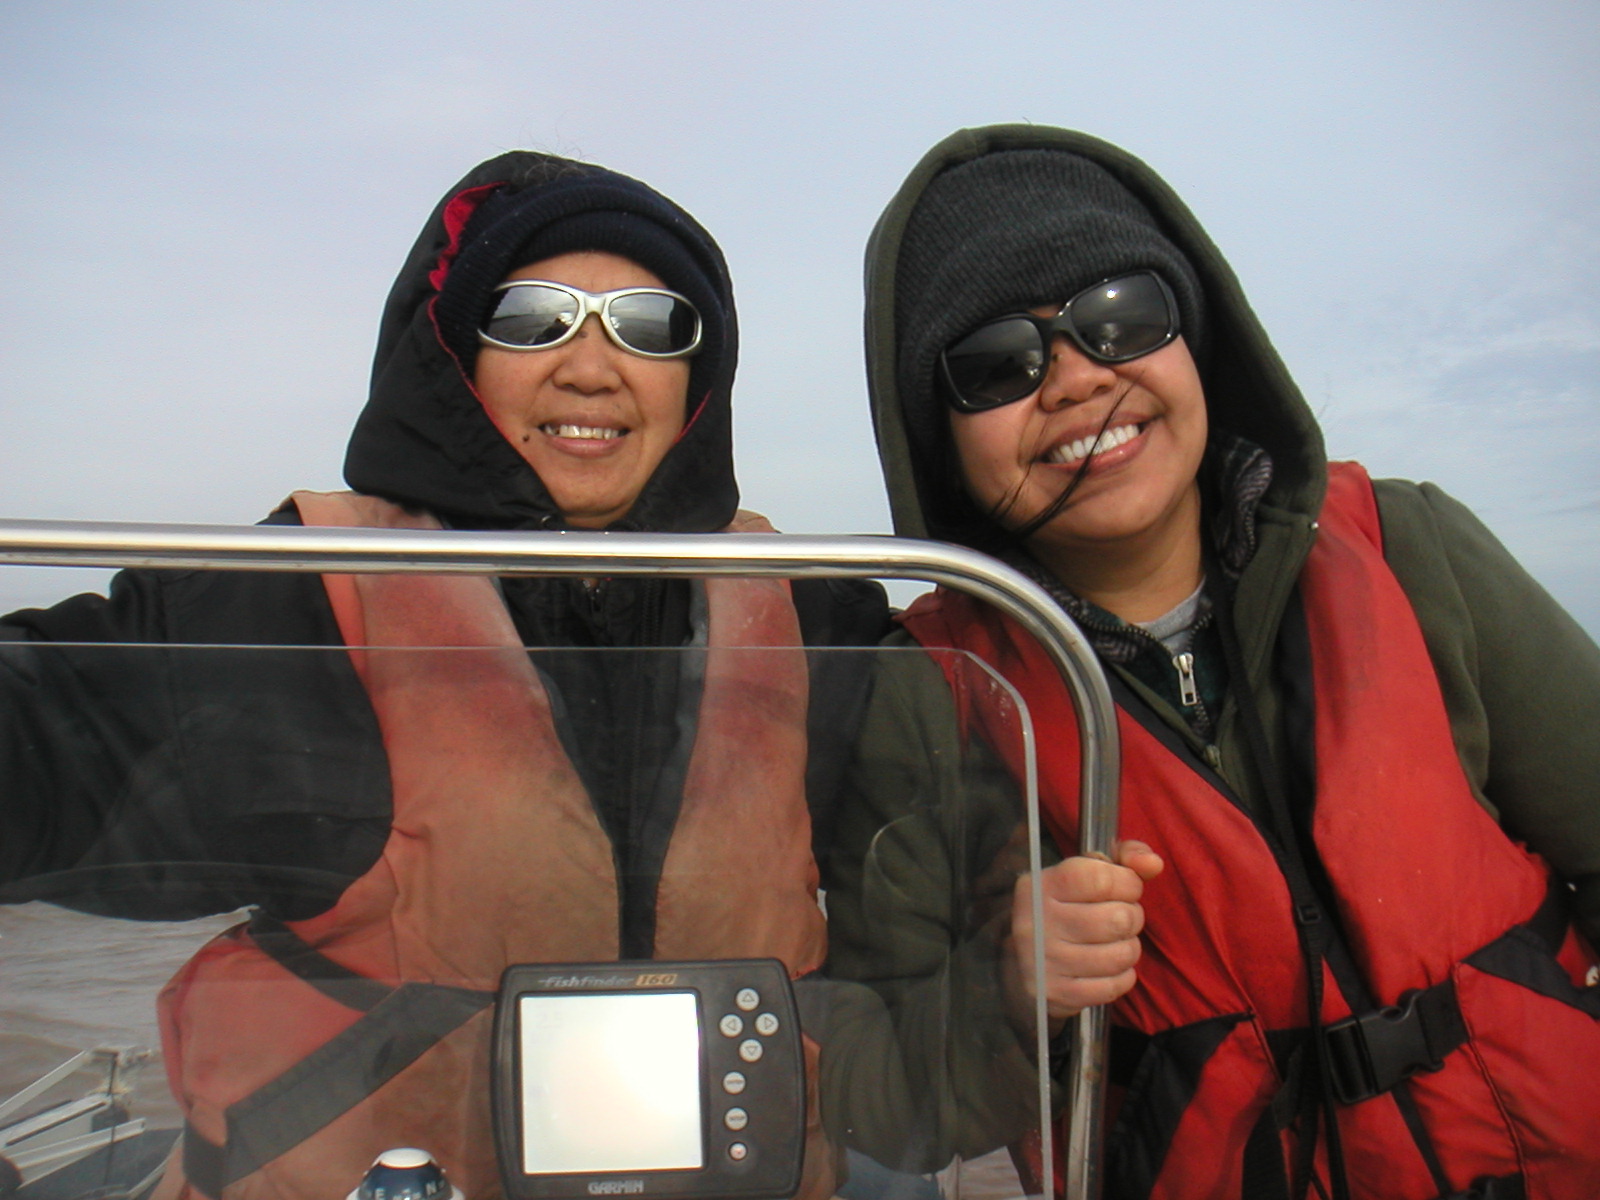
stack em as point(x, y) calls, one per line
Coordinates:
point(680, 1079)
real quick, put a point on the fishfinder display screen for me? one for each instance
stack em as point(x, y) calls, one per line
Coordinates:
point(610, 1082)
point(651, 1080)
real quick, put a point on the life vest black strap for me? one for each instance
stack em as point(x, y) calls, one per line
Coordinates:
point(1492, 1187)
point(1526, 955)
point(205, 1163)
point(1264, 1175)
point(394, 1030)
point(1161, 1073)
point(334, 980)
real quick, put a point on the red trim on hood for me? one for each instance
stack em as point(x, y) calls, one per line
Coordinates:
point(456, 214)
point(455, 217)
point(693, 417)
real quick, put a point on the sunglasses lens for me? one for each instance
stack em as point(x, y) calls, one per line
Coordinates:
point(655, 322)
point(1124, 318)
point(995, 364)
point(532, 316)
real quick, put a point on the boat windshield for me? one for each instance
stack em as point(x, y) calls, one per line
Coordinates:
point(261, 903)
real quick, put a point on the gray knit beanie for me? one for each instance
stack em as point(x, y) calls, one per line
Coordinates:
point(1003, 233)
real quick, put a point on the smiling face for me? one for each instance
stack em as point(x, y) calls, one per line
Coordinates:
point(591, 419)
point(1139, 497)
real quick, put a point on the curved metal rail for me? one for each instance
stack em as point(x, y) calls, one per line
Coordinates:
point(795, 556)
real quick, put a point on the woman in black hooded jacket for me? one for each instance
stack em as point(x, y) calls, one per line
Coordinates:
point(165, 785)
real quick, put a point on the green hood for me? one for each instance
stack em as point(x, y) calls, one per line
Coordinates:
point(1248, 391)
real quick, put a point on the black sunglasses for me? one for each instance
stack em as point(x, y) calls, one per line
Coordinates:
point(536, 314)
point(1005, 359)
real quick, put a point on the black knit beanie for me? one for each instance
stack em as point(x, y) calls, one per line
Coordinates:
point(1009, 231)
point(582, 208)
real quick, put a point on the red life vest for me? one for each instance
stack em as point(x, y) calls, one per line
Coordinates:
point(1431, 894)
point(300, 1051)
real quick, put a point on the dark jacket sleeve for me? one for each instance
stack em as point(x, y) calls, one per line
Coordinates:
point(153, 766)
point(930, 839)
point(840, 620)
point(1521, 680)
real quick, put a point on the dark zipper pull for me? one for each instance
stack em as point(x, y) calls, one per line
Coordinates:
point(1188, 693)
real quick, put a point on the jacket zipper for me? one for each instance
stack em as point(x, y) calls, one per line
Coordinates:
point(1188, 684)
point(1188, 692)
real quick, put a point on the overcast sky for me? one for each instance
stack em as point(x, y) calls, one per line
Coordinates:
point(205, 204)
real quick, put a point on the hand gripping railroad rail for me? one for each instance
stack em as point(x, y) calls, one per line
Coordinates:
point(793, 556)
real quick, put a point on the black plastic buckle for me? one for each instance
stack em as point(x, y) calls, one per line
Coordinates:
point(1373, 1052)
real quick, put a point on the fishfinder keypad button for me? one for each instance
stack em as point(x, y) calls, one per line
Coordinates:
point(736, 1119)
point(731, 1025)
point(738, 1151)
point(747, 998)
point(766, 1024)
point(750, 1050)
point(733, 1083)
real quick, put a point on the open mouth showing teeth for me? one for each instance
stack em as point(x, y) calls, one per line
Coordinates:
point(1069, 452)
point(581, 431)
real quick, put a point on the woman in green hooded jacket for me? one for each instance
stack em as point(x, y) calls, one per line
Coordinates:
point(1358, 776)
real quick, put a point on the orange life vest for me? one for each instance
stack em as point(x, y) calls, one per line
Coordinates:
point(300, 1051)
point(1437, 907)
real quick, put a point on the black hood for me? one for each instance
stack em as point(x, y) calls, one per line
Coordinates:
point(425, 441)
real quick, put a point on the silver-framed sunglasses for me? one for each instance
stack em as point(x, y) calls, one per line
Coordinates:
point(540, 314)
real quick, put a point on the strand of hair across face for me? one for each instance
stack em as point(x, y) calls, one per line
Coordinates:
point(1051, 511)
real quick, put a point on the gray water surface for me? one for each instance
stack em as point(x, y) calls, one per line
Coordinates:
point(71, 982)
